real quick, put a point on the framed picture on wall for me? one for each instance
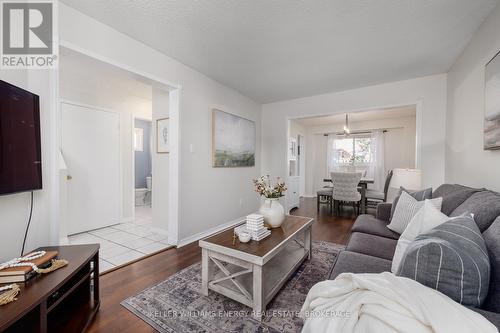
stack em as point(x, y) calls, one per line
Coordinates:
point(492, 104)
point(233, 140)
point(163, 136)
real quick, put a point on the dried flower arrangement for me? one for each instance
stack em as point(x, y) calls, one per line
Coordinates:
point(264, 187)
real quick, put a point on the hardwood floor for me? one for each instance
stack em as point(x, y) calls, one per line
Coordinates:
point(131, 279)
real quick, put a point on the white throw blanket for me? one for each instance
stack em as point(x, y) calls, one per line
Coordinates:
point(385, 303)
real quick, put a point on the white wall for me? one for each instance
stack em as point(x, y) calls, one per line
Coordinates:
point(81, 82)
point(399, 146)
point(161, 166)
point(297, 129)
point(14, 209)
point(429, 92)
point(466, 161)
point(209, 197)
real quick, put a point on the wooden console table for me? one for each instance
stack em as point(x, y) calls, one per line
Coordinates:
point(253, 273)
point(65, 300)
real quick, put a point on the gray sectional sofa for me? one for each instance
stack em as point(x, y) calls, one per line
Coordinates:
point(372, 245)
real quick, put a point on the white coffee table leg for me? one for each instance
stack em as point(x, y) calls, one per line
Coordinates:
point(258, 293)
point(205, 271)
point(308, 242)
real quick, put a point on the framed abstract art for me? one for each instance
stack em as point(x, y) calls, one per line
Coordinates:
point(492, 104)
point(233, 140)
point(163, 135)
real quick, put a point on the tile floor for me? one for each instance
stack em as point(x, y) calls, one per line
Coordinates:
point(124, 242)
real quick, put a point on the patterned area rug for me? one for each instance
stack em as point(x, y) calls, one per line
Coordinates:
point(176, 304)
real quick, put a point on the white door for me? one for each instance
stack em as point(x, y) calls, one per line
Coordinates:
point(91, 148)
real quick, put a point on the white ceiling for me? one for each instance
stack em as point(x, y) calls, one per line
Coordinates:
point(283, 49)
point(379, 114)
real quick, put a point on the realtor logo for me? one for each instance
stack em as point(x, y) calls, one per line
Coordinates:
point(28, 34)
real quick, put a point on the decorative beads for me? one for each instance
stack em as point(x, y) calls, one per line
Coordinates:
point(7, 287)
point(21, 262)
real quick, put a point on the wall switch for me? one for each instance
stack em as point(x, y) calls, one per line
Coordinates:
point(191, 147)
point(241, 201)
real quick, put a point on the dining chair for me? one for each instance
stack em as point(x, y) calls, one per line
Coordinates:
point(348, 168)
point(324, 196)
point(345, 189)
point(373, 198)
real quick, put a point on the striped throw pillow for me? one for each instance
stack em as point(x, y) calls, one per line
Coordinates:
point(419, 195)
point(453, 259)
point(426, 218)
point(406, 208)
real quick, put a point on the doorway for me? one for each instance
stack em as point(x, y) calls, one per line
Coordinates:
point(380, 140)
point(143, 171)
point(108, 120)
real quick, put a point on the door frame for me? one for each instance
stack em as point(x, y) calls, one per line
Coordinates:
point(120, 148)
point(175, 101)
point(301, 139)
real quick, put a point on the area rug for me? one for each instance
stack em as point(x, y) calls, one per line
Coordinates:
point(177, 305)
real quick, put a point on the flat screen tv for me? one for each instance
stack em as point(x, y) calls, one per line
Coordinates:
point(20, 152)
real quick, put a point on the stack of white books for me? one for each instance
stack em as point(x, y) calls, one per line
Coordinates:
point(255, 226)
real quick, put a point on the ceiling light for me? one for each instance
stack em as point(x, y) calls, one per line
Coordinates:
point(347, 131)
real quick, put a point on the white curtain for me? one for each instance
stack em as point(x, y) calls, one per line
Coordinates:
point(330, 154)
point(377, 166)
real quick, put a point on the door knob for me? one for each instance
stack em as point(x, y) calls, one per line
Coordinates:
point(68, 177)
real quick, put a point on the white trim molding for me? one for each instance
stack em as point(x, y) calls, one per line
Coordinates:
point(209, 232)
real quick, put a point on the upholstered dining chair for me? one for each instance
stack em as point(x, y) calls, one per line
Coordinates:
point(324, 196)
point(373, 198)
point(345, 189)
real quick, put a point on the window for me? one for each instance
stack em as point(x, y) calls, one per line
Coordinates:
point(138, 139)
point(354, 149)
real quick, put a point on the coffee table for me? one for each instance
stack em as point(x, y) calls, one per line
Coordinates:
point(252, 273)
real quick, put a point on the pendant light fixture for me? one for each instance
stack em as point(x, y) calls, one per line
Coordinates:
point(347, 131)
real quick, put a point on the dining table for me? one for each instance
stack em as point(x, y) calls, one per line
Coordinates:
point(363, 184)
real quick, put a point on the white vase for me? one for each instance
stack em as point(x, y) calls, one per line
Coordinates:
point(273, 212)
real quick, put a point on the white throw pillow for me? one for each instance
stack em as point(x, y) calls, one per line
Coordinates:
point(406, 209)
point(427, 218)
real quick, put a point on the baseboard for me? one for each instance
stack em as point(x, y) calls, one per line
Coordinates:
point(206, 233)
point(172, 240)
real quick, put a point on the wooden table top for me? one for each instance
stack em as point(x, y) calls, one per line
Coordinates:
point(42, 286)
point(291, 226)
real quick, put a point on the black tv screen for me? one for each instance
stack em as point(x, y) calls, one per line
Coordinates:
point(20, 152)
